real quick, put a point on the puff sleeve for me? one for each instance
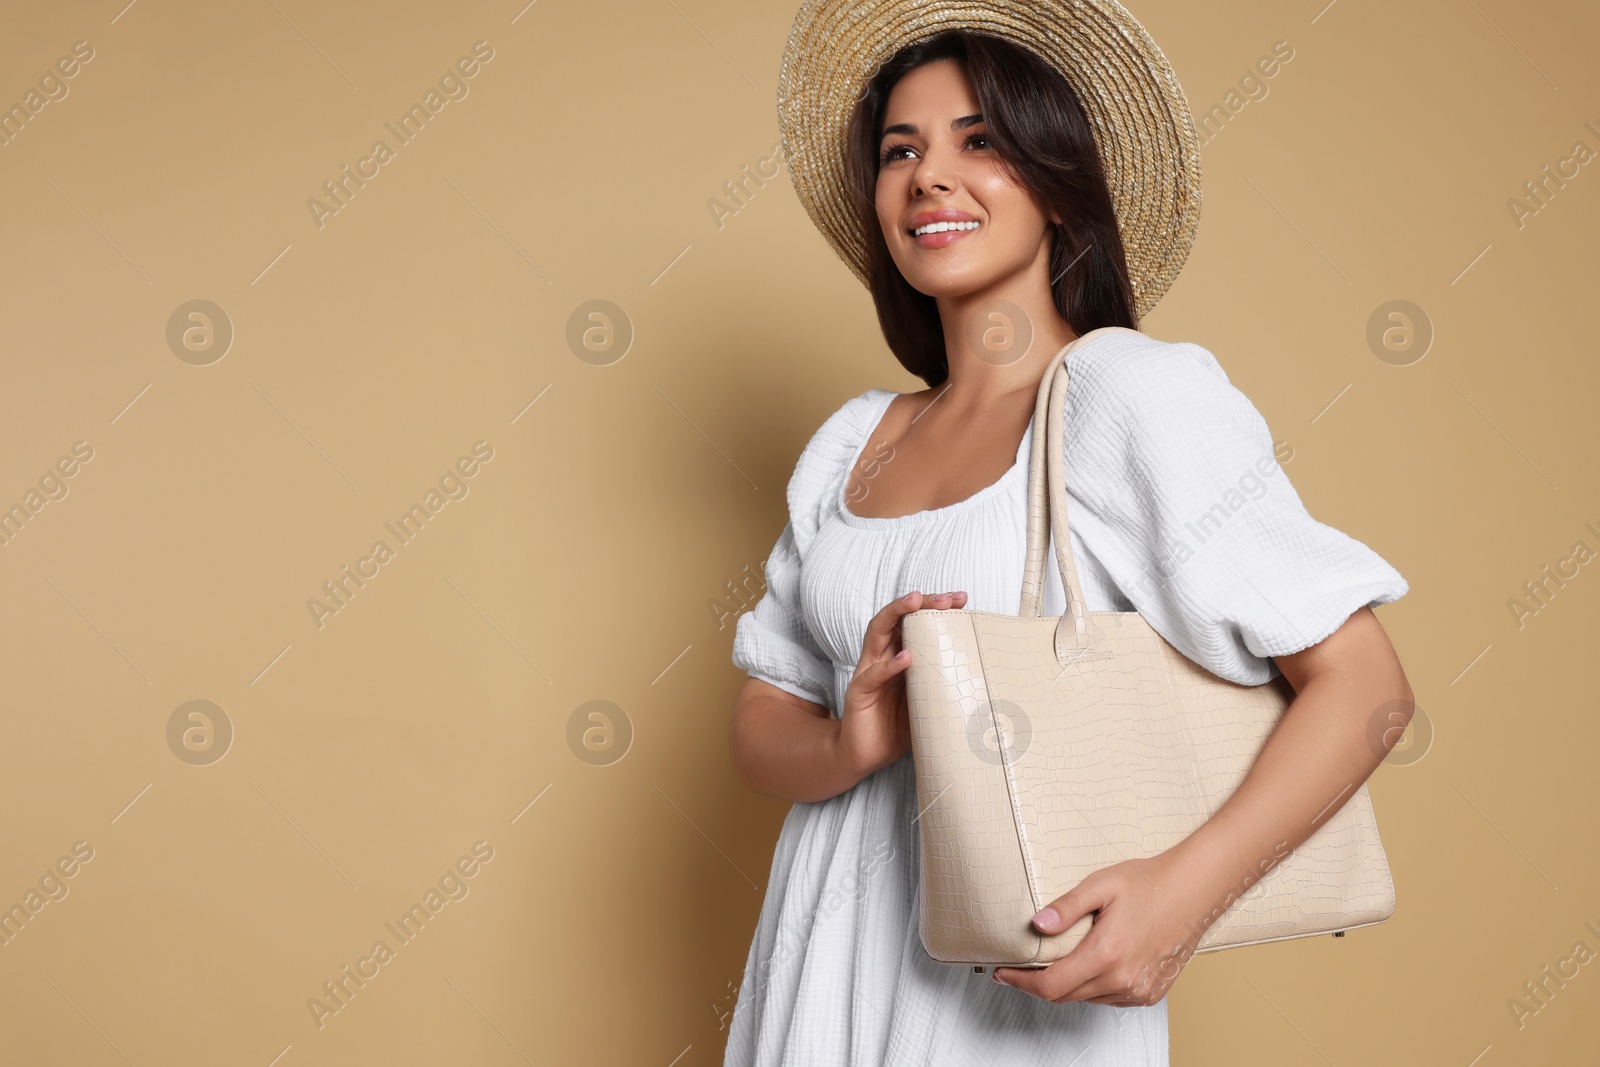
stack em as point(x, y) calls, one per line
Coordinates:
point(772, 642)
point(1174, 485)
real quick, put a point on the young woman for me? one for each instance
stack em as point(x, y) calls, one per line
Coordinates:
point(984, 215)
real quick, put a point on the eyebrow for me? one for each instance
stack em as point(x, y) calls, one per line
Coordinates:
point(910, 129)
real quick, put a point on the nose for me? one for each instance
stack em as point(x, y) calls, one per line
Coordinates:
point(932, 174)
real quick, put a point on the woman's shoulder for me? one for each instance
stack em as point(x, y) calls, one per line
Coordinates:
point(1127, 365)
point(1130, 389)
point(825, 461)
point(852, 420)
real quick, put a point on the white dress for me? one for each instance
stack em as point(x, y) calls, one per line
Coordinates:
point(1177, 509)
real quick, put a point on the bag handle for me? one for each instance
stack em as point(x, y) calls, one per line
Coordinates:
point(1047, 510)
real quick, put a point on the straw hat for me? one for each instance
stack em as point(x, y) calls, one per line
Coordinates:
point(1127, 88)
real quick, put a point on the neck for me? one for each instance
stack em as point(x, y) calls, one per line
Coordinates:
point(984, 329)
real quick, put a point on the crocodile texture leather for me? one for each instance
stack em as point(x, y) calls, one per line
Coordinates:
point(1047, 748)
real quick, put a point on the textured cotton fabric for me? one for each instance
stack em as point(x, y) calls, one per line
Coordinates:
point(1177, 509)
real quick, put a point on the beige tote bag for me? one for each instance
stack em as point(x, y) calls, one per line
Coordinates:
point(1047, 748)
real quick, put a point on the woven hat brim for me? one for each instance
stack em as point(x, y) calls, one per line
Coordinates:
point(1128, 90)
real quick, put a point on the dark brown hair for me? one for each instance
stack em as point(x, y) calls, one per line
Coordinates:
point(1040, 133)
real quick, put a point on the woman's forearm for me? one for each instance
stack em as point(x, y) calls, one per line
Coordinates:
point(1324, 748)
point(783, 748)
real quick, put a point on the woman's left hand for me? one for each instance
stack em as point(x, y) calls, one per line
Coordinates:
point(1151, 914)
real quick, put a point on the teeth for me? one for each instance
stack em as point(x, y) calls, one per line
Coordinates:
point(941, 227)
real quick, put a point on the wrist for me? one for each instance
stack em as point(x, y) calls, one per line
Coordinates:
point(1215, 872)
point(849, 763)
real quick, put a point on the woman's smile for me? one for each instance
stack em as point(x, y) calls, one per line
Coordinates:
point(936, 229)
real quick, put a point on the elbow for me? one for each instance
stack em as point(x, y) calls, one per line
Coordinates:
point(1402, 701)
point(1396, 685)
point(1395, 705)
point(1404, 693)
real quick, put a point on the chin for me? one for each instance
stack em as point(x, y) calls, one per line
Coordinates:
point(953, 280)
point(951, 273)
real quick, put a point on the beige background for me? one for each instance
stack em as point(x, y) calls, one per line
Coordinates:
point(371, 353)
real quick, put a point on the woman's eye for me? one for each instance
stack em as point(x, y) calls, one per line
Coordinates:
point(892, 153)
point(978, 140)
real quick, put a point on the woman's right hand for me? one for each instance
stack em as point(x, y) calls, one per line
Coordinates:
point(875, 727)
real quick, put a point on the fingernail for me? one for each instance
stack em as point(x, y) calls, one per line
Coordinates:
point(1046, 920)
point(997, 978)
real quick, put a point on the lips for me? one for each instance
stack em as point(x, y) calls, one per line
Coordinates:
point(942, 227)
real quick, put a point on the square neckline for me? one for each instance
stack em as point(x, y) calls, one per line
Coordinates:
point(885, 397)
